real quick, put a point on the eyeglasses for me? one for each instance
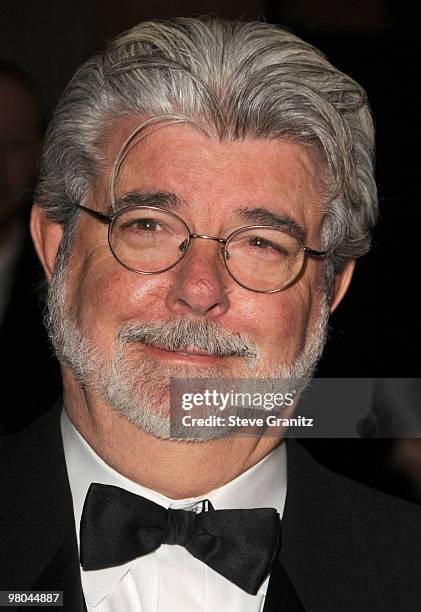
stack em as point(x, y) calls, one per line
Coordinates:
point(149, 240)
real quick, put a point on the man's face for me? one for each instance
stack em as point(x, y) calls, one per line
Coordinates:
point(212, 180)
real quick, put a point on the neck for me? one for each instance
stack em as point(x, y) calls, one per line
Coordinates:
point(173, 468)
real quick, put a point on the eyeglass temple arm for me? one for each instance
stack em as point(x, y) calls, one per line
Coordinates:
point(314, 253)
point(94, 213)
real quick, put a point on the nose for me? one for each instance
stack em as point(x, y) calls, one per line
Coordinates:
point(200, 282)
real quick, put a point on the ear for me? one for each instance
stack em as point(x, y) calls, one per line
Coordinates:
point(47, 236)
point(341, 284)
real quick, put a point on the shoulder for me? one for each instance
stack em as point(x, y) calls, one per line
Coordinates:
point(345, 502)
point(363, 545)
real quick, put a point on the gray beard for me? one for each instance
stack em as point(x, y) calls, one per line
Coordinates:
point(137, 387)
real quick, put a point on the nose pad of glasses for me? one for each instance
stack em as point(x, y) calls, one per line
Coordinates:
point(225, 254)
point(183, 246)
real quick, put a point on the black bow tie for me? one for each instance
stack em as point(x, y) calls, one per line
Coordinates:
point(118, 526)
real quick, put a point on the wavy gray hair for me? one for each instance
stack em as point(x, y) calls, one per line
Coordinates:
point(237, 80)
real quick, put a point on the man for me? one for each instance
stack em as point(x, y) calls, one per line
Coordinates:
point(205, 191)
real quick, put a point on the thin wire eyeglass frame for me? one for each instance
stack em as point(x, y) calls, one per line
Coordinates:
point(111, 219)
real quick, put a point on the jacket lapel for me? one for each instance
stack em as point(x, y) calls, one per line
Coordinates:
point(301, 572)
point(304, 568)
point(281, 594)
point(63, 574)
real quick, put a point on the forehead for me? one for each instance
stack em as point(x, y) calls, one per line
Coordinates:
point(214, 176)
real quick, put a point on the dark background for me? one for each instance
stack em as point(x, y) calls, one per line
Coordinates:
point(376, 331)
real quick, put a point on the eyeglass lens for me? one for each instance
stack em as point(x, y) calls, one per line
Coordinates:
point(150, 241)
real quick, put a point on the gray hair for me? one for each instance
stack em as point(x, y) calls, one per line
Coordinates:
point(237, 80)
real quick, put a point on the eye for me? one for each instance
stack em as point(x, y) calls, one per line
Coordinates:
point(266, 245)
point(258, 242)
point(143, 225)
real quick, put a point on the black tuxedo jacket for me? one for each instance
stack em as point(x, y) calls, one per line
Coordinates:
point(345, 547)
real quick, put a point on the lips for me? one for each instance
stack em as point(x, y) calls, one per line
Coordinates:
point(193, 351)
point(188, 352)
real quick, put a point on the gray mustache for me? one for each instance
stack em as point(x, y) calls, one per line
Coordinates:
point(182, 334)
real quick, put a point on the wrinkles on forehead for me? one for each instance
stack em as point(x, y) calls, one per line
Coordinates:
point(118, 131)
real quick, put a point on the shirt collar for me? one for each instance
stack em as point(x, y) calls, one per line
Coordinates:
point(261, 486)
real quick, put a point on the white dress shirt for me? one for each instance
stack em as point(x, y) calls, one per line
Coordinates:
point(170, 579)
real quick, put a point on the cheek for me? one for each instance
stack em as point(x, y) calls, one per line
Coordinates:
point(285, 321)
point(107, 296)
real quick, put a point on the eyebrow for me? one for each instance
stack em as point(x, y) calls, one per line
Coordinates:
point(161, 199)
point(262, 216)
point(166, 200)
